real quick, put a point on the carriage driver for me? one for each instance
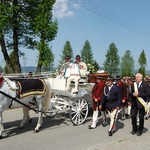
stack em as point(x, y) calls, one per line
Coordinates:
point(66, 68)
point(76, 73)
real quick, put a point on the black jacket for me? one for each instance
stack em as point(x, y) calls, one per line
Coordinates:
point(143, 92)
point(112, 98)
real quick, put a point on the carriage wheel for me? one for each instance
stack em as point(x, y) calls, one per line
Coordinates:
point(78, 111)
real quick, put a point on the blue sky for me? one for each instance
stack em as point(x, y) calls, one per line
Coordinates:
point(77, 24)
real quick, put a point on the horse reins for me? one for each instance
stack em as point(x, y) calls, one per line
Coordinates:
point(18, 101)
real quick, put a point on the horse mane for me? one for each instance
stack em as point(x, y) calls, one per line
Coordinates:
point(11, 84)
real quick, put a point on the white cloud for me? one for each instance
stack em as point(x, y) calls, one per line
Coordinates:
point(61, 9)
point(77, 4)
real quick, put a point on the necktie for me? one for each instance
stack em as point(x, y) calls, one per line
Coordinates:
point(137, 85)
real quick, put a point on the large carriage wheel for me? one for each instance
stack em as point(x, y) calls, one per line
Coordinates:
point(78, 111)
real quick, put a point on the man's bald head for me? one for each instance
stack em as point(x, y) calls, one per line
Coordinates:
point(138, 77)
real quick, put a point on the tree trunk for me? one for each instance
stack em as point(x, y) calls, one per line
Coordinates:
point(38, 68)
point(40, 59)
point(16, 54)
point(5, 54)
point(15, 39)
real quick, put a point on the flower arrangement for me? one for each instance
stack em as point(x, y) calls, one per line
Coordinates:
point(91, 68)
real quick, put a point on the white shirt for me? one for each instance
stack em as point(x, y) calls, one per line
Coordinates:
point(75, 69)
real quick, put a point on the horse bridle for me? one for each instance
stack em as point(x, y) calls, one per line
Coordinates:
point(15, 99)
point(18, 101)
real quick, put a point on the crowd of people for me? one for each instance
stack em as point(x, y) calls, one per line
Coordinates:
point(125, 96)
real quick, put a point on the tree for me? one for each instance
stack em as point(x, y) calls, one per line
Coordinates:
point(45, 29)
point(67, 50)
point(127, 64)
point(19, 27)
point(87, 57)
point(142, 62)
point(86, 53)
point(6, 68)
point(47, 57)
point(111, 64)
point(9, 24)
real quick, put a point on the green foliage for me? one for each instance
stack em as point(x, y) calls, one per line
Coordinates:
point(142, 59)
point(67, 50)
point(46, 30)
point(127, 64)
point(87, 57)
point(86, 53)
point(111, 64)
point(47, 56)
point(96, 66)
point(6, 68)
point(43, 25)
point(142, 71)
point(26, 23)
point(142, 63)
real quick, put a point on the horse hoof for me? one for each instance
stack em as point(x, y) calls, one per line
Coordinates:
point(36, 131)
point(30, 120)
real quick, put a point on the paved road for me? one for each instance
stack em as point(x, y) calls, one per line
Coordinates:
point(58, 133)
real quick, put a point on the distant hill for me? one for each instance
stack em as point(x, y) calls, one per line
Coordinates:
point(33, 69)
point(28, 69)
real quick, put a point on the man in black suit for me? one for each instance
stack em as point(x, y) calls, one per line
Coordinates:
point(112, 99)
point(139, 93)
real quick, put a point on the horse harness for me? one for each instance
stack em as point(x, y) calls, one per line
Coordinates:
point(17, 96)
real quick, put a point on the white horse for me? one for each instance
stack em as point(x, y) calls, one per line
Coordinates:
point(8, 97)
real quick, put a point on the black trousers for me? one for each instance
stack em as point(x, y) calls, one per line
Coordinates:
point(135, 111)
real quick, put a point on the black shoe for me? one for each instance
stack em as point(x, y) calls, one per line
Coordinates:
point(128, 116)
point(133, 132)
point(139, 133)
point(75, 92)
point(104, 124)
point(110, 133)
point(91, 127)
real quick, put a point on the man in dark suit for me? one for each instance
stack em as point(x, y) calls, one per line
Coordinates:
point(112, 100)
point(123, 87)
point(139, 93)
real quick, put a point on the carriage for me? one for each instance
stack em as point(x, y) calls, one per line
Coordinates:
point(59, 99)
point(78, 104)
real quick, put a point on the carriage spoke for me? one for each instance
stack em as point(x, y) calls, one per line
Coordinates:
point(74, 116)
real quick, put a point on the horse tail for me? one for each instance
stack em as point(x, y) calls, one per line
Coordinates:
point(47, 96)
